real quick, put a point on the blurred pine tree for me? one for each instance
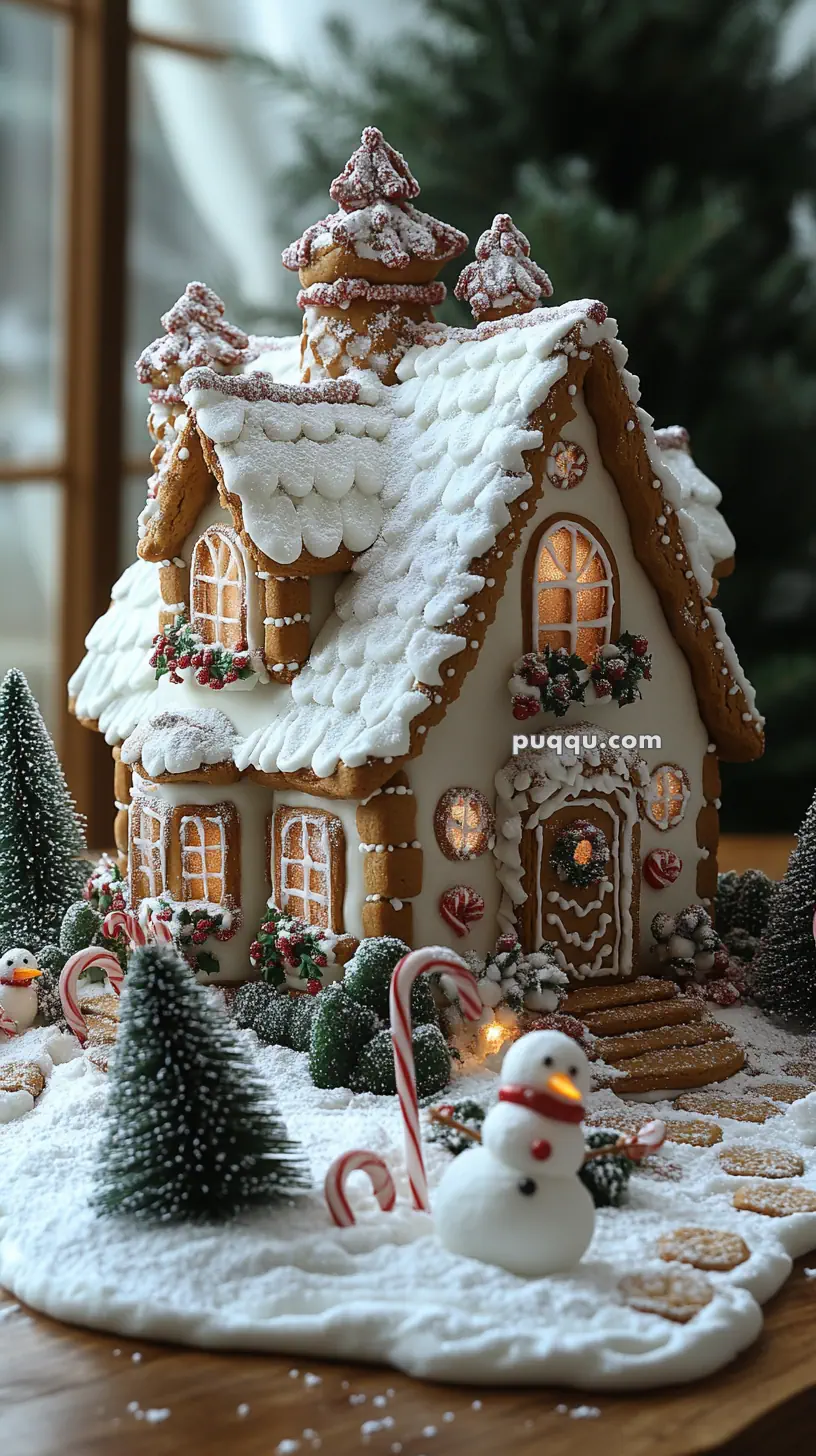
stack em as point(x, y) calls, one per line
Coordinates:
point(657, 158)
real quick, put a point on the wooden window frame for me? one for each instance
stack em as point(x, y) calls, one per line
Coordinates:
point(281, 817)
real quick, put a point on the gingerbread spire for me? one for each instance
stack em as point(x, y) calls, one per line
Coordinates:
point(367, 270)
point(504, 279)
point(197, 334)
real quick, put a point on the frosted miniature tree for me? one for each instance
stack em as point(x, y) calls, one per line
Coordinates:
point(191, 1136)
point(41, 834)
point(786, 963)
point(376, 172)
point(503, 279)
point(197, 335)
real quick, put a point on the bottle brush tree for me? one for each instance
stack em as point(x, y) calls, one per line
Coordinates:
point(786, 961)
point(42, 836)
point(191, 1136)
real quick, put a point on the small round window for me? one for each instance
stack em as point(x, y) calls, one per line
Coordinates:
point(463, 824)
point(665, 799)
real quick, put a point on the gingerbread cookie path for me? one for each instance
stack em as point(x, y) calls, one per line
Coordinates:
point(386, 1289)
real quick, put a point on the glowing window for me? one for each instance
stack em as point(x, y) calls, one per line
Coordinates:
point(308, 870)
point(573, 595)
point(218, 588)
point(668, 792)
point(463, 824)
point(203, 838)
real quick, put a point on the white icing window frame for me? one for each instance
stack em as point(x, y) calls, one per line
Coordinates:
point(189, 851)
point(446, 826)
point(330, 868)
point(209, 542)
point(660, 791)
point(571, 584)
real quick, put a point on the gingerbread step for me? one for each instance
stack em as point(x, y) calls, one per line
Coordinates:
point(643, 1017)
point(681, 1067)
point(628, 993)
point(616, 1050)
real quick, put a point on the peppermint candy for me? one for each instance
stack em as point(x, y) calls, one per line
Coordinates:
point(460, 907)
point(661, 867)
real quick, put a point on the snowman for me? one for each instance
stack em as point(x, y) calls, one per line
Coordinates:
point(517, 1201)
point(18, 997)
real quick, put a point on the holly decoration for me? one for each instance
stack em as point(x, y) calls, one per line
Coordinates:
point(191, 926)
point(619, 668)
point(180, 648)
point(548, 681)
point(284, 944)
point(580, 854)
point(106, 886)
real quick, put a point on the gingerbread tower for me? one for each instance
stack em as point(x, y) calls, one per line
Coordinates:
point(367, 271)
point(504, 279)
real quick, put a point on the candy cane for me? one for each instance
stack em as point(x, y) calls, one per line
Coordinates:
point(382, 1184)
point(7, 1026)
point(160, 929)
point(638, 1145)
point(125, 924)
point(71, 972)
point(420, 963)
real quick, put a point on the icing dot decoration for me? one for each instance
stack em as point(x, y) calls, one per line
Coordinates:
point(460, 907)
point(661, 868)
point(566, 464)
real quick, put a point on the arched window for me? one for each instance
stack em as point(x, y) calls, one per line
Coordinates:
point(573, 590)
point(219, 589)
point(665, 799)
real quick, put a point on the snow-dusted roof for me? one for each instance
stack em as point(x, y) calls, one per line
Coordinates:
point(701, 520)
point(307, 470)
point(445, 456)
point(114, 684)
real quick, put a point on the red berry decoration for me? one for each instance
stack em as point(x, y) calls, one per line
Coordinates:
point(313, 987)
point(524, 706)
point(661, 868)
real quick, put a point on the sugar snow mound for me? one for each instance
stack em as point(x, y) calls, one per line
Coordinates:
point(384, 1291)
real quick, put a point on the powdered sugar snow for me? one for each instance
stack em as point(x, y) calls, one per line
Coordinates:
point(385, 1290)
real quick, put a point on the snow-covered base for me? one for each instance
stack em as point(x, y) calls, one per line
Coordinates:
point(385, 1291)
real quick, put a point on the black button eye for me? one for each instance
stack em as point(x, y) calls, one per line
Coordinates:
point(573, 1071)
point(527, 1186)
point(548, 1061)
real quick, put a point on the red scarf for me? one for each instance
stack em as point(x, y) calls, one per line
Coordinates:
point(544, 1103)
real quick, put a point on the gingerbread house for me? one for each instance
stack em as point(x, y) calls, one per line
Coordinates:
point(420, 637)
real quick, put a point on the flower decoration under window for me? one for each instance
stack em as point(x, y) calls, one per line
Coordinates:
point(548, 681)
point(666, 797)
point(286, 944)
point(463, 824)
point(180, 649)
point(580, 854)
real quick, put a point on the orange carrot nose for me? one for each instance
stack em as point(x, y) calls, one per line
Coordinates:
point(24, 975)
point(564, 1086)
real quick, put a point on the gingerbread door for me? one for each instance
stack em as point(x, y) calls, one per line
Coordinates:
point(592, 928)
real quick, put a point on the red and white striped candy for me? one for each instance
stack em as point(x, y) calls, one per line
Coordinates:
point(126, 924)
point(71, 972)
point(8, 1027)
point(358, 1160)
point(646, 1140)
point(661, 868)
point(159, 929)
point(421, 963)
point(461, 907)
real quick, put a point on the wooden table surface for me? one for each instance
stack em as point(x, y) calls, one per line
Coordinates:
point(67, 1391)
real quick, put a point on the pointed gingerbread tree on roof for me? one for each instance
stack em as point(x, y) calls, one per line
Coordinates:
point(197, 334)
point(367, 270)
point(504, 279)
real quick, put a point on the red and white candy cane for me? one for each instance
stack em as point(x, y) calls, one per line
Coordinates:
point(421, 963)
point(8, 1027)
point(646, 1140)
point(72, 970)
point(359, 1160)
point(126, 924)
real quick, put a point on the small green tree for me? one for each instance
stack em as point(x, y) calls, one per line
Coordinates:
point(191, 1136)
point(41, 833)
point(786, 961)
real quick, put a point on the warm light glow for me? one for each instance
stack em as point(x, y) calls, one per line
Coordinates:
point(573, 591)
point(583, 852)
point(667, 800)
point(493, 1035)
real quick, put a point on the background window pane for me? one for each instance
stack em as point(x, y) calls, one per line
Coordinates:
point(30, 532)
point(32, 97)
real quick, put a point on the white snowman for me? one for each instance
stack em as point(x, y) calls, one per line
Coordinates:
point(517, 1201)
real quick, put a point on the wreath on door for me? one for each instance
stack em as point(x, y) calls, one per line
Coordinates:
point(580, 854)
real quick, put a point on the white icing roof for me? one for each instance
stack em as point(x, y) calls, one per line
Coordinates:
point(180, 742)
point(307, 475)
point(114, 684)
point(698, 503)
point(430, 466)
